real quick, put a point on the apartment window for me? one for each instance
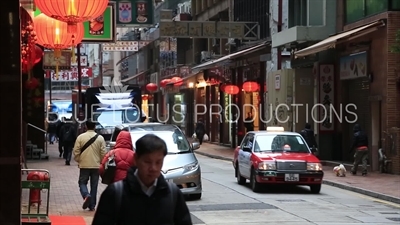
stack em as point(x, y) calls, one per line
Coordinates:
point(298, 13)
point(395, 4)
point(359, 9)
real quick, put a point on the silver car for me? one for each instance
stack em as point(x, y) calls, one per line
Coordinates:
point(180, 165)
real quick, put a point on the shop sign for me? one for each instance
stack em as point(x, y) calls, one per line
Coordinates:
point(121, 46)
point(183, 71)
point(63, 63)
point(69, 75)
point(134, 13)
point(326, 97)
point(103, 28)
point(197, 29)
point(354, 66)
point(83, 59)
point(168, 72)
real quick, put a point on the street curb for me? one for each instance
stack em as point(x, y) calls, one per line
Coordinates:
point(328, 182)
point(362, 191)
point(214, 156)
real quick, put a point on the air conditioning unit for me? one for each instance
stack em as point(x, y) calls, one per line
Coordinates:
point(205, 56)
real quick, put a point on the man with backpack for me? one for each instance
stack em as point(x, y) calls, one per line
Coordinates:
point(67, 140)
point(89, 150)
point(144, 197)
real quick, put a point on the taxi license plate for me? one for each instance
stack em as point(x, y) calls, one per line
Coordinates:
point(291, 177)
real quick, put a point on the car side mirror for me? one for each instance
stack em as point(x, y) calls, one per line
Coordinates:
point(246, 149)
point(195, 145)
point(111, 144)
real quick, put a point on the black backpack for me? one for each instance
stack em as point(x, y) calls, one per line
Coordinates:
point(69, 134)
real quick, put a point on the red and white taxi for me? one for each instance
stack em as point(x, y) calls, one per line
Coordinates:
point(275, 156)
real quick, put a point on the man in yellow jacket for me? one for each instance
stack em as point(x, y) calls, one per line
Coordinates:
point(89, 150)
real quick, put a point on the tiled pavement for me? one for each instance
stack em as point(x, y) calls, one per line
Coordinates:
point(382, 186)
point(66, 200)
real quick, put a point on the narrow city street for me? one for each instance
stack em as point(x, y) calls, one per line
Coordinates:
point(226, 202)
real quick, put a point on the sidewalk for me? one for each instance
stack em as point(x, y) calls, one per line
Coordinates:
point(377, 185)
point(65, 199)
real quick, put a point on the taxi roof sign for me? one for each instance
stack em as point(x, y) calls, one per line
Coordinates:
point(275, 129)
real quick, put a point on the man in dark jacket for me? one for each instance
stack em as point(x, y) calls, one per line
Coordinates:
point(249, 122)
point(59, 135)
point(146, 197)
point(200, 130)
point(68, 137)
point(360, 144)
point(308, 135)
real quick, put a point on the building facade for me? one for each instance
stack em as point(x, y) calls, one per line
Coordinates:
point(363, 77)
point(208, 64)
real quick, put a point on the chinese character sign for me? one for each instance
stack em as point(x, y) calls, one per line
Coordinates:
point(69, 75)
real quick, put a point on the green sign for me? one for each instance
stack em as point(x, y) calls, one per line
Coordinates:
point(135, 13)
point(101, 29)
point(35, 184)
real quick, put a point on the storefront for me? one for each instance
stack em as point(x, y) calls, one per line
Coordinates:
point(354, 71)
point(365, 85)
point(244, 72)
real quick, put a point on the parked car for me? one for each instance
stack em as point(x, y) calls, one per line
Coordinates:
point(180, 165)
point(275, 156)
point(128, 127)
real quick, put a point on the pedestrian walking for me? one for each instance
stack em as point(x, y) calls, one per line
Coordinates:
point(200, 130)
point(122, 156)
point(67, 140)
point(144, 197)
point(308, 134)
point(360, 145)
point(52, 128)
point(89, 150)
point(59, 135)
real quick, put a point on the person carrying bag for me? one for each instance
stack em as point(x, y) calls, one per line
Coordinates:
point(116, 163)
point(89, 150)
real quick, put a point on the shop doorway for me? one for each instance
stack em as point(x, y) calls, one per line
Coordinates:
point(251, 105)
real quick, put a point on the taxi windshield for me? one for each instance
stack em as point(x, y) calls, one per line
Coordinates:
point(280, 143)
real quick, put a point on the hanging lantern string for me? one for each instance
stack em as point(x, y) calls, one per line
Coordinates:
point(73, 49)
point(57, 56)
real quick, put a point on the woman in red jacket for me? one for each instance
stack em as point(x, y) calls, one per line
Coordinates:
point(124, 156)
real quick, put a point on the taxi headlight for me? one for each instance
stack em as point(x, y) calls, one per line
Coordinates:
point(314, 166)
point(191, 166)
point(267, 165)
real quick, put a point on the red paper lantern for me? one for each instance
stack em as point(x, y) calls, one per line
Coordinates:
point(151, 87)
point(53, 34)
point(165, 82)
point(177, 81)
point(74, 12)
point(231, 89)
point(38, 55)
point(222, 87)
point(251, 86)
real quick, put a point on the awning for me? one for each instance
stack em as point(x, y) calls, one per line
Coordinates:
point(134, 76)
point(212, 63)
point(333, 40)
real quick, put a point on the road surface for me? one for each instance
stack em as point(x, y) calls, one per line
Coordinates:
point(226, 202)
